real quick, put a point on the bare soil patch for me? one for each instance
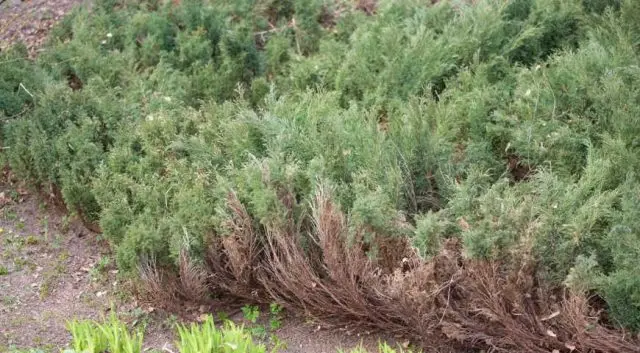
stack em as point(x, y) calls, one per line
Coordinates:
point(29, 21)
point(54, 271)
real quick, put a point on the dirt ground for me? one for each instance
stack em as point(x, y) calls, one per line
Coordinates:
point(51, 270)
point(29, 21)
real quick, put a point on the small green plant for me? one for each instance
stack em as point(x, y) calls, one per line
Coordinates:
point(258, 331)
point(275, 318)
point(3, 270)
point(32, 240)
point(112, 336)
point(57, 242)
point(45, 288)
point(138, 316)
point(65, 224)
point(103, 263)
point(19, 263)
point(53, 273)
point(385, 348)
point(223, 316)
point(276, 343)
point(86, 336)
point(100, 269)
point(9, 300)
point(10, 215)
point(18, 242)
point(170, 322)
point(207, 338)
point(251, 313)
point(119, 339)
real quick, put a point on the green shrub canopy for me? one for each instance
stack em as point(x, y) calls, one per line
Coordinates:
point(514, 126)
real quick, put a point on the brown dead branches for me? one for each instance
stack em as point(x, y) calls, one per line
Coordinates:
point(233, 260)
point(449, 301)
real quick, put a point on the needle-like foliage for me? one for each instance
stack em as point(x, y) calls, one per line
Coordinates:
point(511, 125)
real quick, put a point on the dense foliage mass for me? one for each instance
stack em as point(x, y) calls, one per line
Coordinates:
point(511, 125)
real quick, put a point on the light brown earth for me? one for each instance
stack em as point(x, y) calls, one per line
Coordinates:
point(29, 21)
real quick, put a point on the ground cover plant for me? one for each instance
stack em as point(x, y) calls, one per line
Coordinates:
point(112, 336)
point(458, 171)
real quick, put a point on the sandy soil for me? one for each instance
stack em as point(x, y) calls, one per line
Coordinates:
point(29, 21)
point(52, 270)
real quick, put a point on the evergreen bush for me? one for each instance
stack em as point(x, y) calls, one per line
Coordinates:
point(510, 125)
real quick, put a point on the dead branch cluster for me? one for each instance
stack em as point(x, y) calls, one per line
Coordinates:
point(448, 301)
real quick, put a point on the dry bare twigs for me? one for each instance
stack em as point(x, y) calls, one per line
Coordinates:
point(447, 301)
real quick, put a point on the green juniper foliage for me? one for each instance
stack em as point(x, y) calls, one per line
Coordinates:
point(511, 125)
